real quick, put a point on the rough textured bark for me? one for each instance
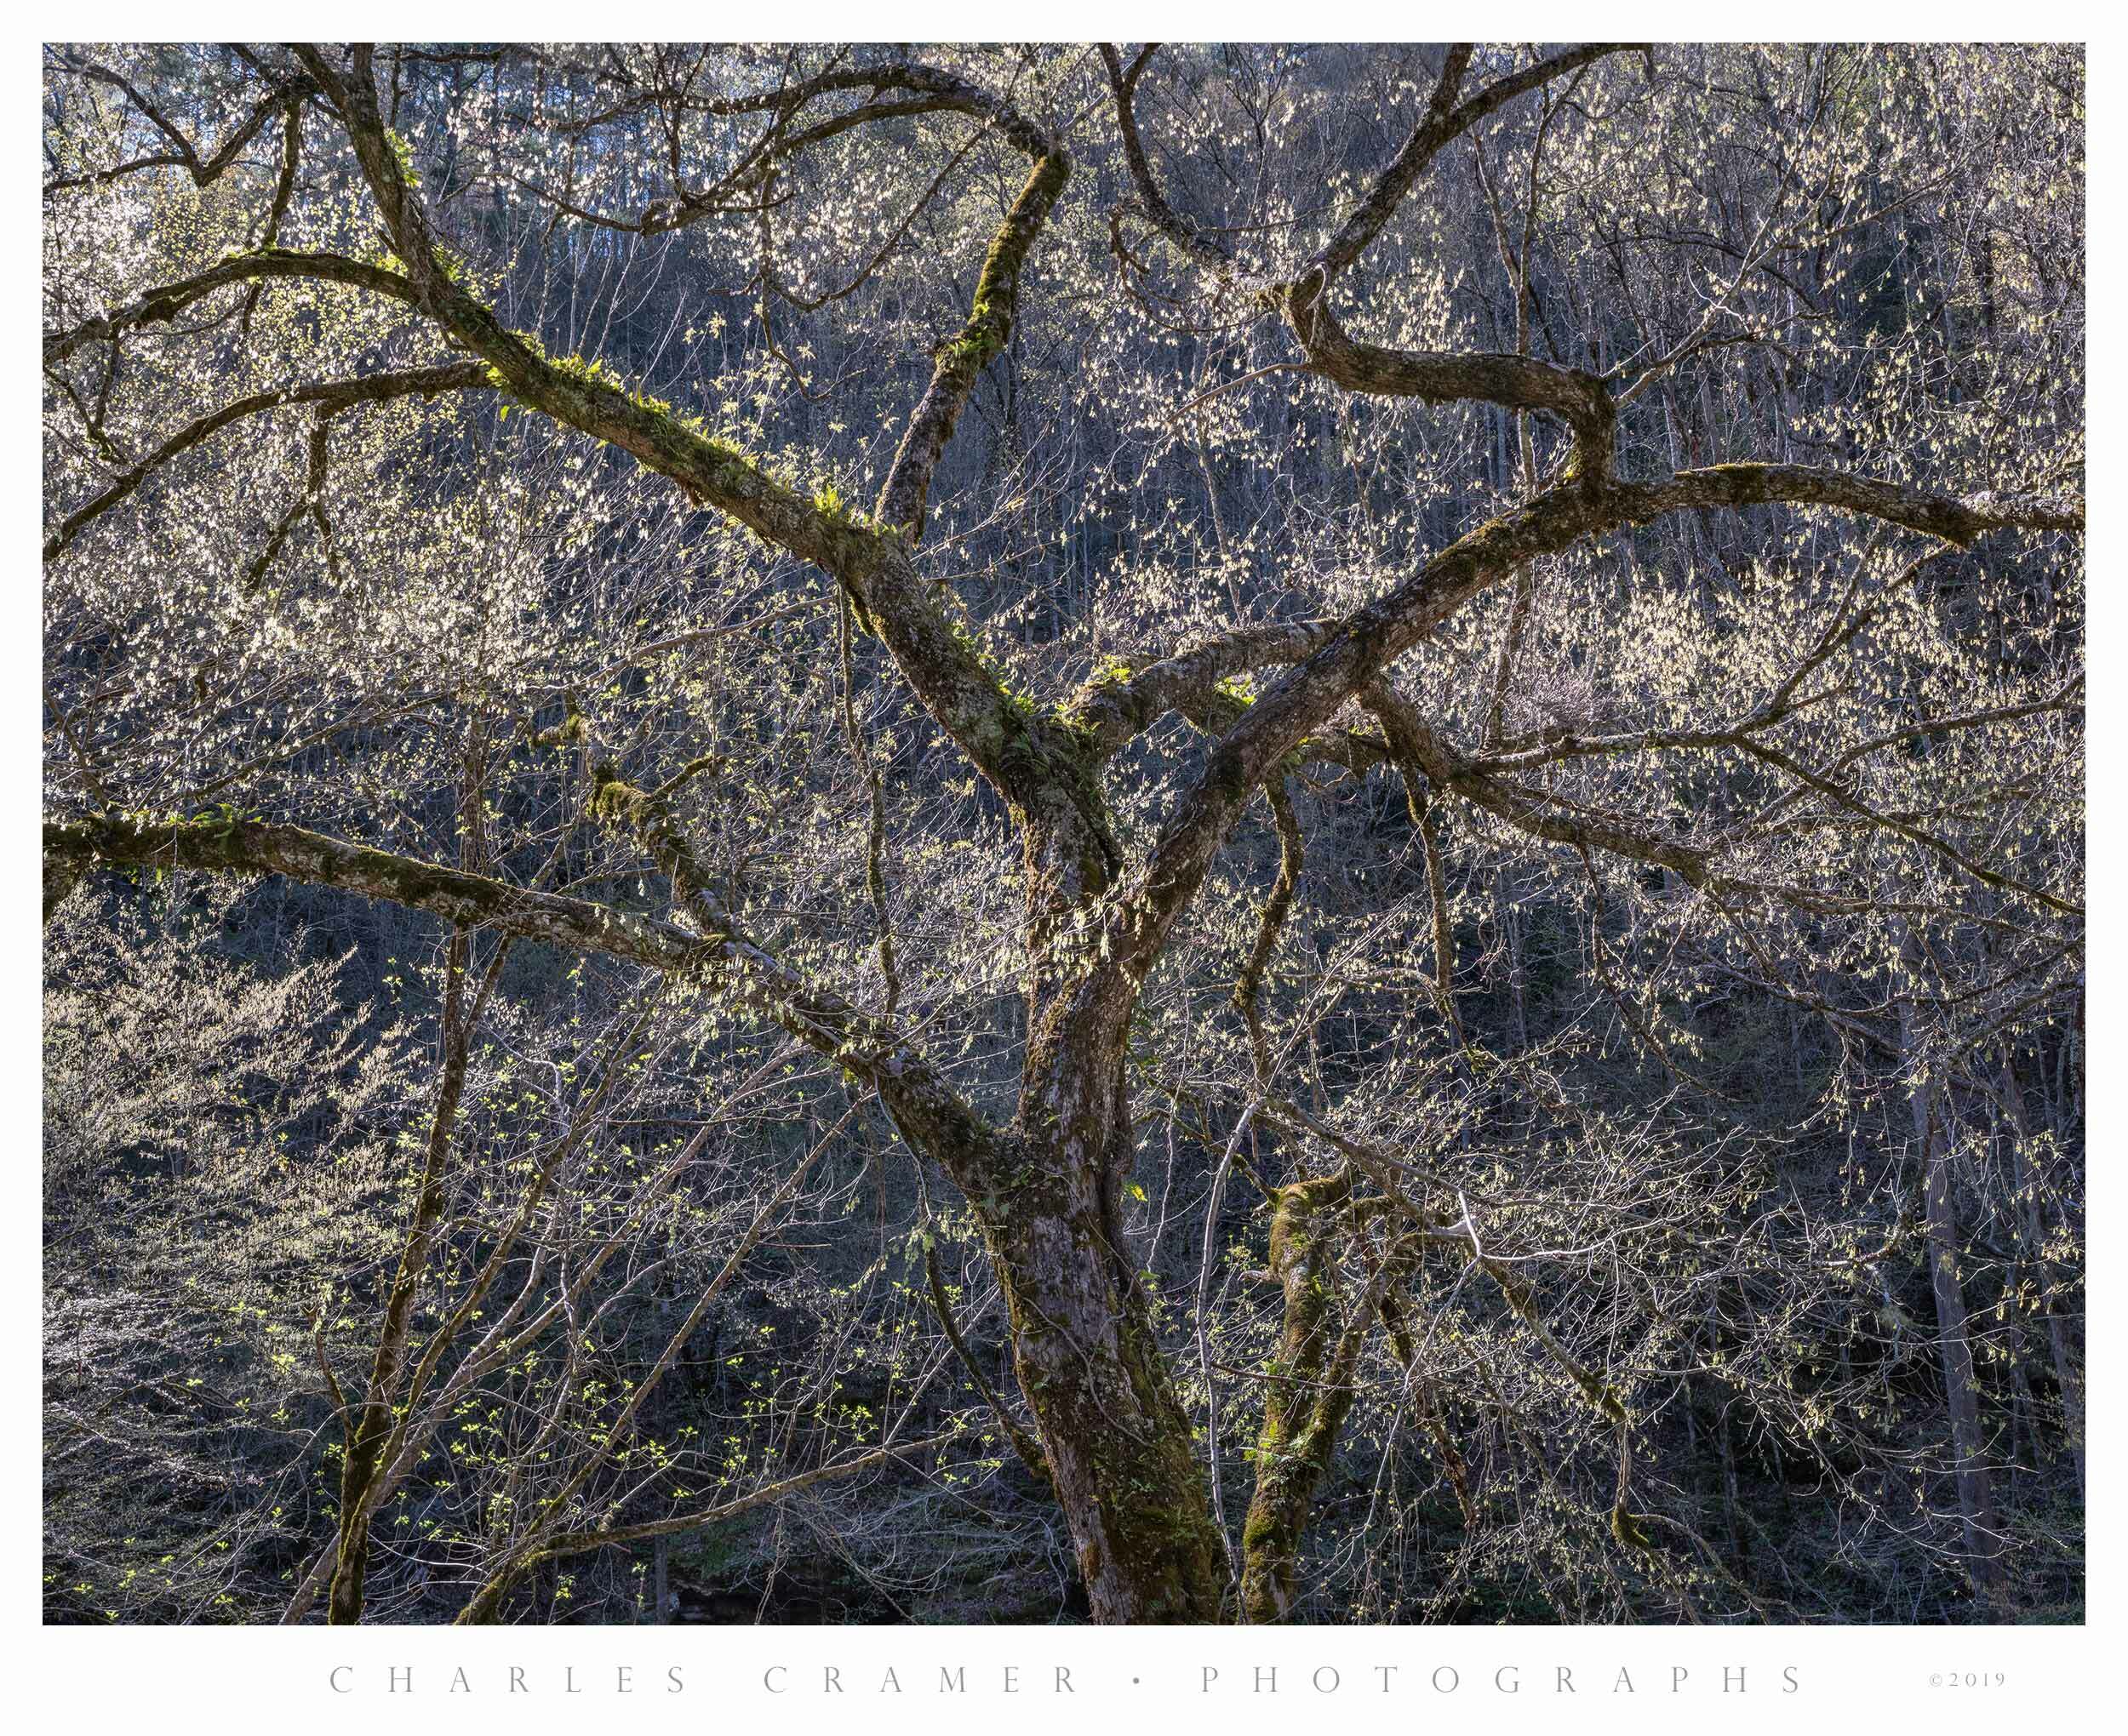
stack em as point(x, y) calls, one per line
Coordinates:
point(1302, 1411)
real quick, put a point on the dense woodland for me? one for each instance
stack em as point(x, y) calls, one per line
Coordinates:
point(1086, 832)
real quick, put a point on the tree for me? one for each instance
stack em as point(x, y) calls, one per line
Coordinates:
point(1683, 576)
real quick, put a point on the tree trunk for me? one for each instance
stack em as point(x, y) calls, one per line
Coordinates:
point(368, 1428)
point(1117, 1440)
point(1302, 1412)
point(2026, 1180)
point(1982, 1526)
point(1975, 1495)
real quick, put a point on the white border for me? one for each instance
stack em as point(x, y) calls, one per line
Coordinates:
point(194, 1679)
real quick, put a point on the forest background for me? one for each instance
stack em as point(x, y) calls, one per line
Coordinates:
point(1161, 833)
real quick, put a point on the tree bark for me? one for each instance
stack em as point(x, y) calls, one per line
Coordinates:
point(1302, 1412)
point(1116, 1438)
point(2068, 1382)
point(1982, 1524)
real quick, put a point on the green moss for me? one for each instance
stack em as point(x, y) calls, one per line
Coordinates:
point(1628, 1527)
point(616, 802)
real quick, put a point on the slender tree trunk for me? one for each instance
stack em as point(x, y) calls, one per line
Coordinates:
point(1976, 1494)
point(1982, 1524)
point(1511, 944)
point(368, 1428)
point(2026, 1182)
point(1302, 1413)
